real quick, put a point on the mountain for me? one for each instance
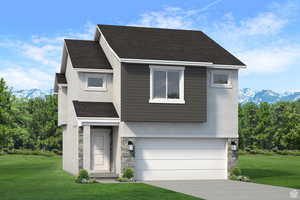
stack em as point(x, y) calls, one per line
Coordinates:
point(32, 93)
point(258, 96)
point(246, 95)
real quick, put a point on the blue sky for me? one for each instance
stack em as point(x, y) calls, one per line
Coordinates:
point(263, 34)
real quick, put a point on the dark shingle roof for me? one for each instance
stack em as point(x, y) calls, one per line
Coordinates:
point(165, 44)
point(60, 78)
point(95, 109)
point(87, 54)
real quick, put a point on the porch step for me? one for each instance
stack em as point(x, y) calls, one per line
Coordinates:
point(104, 175)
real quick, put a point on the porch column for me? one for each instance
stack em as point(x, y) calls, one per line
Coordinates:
point(87, 148)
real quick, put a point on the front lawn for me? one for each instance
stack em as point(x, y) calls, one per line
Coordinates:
point(41, 178)
point(272, 170)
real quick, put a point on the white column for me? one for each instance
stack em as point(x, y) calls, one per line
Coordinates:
point(87, 148)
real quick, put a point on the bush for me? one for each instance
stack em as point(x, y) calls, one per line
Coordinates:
point(57, 152)
point(128, 173)
point(236, 171)
point(29, 152)
point(83, 177)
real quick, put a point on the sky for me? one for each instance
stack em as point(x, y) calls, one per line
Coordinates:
point(265, 35)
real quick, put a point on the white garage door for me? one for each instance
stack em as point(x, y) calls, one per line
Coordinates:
point(180, 159)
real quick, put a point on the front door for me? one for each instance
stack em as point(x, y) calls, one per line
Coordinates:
point(100, 150)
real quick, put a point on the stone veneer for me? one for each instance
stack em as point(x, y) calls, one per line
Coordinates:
point(232, 155)
point(80, 148)
point(127, 157)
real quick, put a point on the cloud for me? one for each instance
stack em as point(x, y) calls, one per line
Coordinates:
point(37, 59)
point(257, 40)
point(19, 77)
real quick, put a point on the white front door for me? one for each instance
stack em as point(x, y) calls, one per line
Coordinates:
point(100, 151)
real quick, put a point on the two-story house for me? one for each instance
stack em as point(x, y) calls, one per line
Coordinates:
point(161, 101)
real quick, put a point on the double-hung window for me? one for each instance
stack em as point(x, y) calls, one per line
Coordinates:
point(166, 84)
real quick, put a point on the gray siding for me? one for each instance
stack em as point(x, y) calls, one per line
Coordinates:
point(135, 92)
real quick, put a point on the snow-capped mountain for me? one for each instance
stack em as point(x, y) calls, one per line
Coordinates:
point(32, 93)
point(258, 96)
point(246, 95)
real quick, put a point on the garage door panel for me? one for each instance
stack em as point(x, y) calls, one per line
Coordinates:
point(180, 174)
point(179, 164)
point(181, 143)
point(180, 154)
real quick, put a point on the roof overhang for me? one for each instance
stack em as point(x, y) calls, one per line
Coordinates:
point(87, 70)
point(97, 121)
point(181, 63)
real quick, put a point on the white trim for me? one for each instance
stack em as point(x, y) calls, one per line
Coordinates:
point(62, 85)
point(181, 63)
point(222, 72)
point(97, 121)
point(107, 71)
point(181, 84)
point(109, 47)
point(100, 76)
point(169, 62)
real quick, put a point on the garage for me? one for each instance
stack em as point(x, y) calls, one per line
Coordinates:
point(180, 159)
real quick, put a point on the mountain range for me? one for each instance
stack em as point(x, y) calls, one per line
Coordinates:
point(246, 95)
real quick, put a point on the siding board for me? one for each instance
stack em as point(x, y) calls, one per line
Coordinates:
point(135, 94)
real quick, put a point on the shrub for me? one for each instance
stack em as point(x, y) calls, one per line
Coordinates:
point(235, 171)
point(128, 173)
point(29, 152)
point(57, 152)
point(240, 178)
point(83, 177)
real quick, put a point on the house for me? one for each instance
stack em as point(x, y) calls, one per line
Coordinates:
point(161, 101)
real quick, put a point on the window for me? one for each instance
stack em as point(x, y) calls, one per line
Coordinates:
point(221, 79)
point(166, 84)
point(95, 82)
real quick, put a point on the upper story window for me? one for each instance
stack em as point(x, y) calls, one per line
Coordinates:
point(221, 79)
point(166, 84)
point(96, 82)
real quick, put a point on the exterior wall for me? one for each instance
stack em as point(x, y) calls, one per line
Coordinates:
point(114, 62)
point(232, 156)
point(222, 118)
point(91, 95)
point(116, 150)
point(62, 105)
point(136, 94)
point(127, 157)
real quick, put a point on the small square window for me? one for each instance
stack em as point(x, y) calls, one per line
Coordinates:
point(221, 79)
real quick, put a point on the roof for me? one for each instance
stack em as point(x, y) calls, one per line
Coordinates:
point(87, 54)
point(60, 78)
point(95, 109)
point(165, 44)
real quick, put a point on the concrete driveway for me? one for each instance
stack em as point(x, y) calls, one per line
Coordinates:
point(228, 190)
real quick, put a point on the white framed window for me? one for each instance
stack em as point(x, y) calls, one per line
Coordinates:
point(221, 79)
point(96, 82)
point(166, 84)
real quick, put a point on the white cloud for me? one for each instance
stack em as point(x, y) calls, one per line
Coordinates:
point(258, 40)
point(20, 78)
point(38, 58)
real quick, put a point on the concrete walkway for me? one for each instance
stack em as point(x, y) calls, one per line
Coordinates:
point(228, 190)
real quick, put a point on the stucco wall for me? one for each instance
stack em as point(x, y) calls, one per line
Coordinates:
point(116, 75)
point(222, 118)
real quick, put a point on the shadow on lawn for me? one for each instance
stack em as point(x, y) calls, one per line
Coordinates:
point(263, 173)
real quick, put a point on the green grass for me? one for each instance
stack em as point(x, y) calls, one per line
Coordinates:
point(272, 170)
point(41, 178)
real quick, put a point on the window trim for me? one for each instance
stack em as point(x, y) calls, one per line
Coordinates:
point(221, 72)
point(181, 84)
point(103, 88)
